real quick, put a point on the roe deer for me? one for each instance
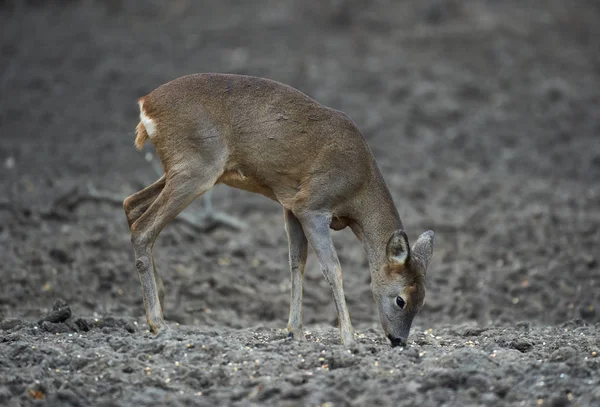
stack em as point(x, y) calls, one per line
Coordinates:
point(266, 137)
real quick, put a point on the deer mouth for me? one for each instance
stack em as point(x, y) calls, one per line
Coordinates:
point(396, 341)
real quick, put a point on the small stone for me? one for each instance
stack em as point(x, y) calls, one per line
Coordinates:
point(9, 324)
point(522, 345)
point(564, 353)
point(296, 379)
point(60, 312)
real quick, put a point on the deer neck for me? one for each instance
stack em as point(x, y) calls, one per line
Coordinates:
point(378, 219)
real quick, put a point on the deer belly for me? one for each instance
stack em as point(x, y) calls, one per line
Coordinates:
point(238, 180)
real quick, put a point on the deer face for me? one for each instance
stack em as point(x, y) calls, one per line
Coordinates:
point(399, 286)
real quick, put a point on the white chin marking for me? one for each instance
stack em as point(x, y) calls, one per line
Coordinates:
point(147, 122)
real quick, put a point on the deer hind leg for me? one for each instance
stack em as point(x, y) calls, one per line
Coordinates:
point(316, 228)
point(160, 285)
point(135, 206)
point(298, 247)
point(180, 189)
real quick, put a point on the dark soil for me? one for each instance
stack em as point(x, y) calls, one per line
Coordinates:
point(484, 117)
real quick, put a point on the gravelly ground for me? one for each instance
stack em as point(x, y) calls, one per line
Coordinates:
point(484, 117)
point(115, 362)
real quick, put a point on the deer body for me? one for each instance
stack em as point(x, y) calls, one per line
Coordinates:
point(265, 137)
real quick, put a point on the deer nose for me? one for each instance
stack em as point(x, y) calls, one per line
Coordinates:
point(397, 341)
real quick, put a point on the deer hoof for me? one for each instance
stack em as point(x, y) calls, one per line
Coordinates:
point(296, 335)
point(163, 332)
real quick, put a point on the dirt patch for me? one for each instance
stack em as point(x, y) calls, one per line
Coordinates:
point(483, 117)
point(103, 361)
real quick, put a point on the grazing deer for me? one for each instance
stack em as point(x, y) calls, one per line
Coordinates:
point(265, 137)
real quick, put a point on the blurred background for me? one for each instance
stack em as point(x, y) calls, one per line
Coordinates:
point(483, 116)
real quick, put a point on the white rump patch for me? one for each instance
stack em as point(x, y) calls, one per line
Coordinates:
point(147, 122)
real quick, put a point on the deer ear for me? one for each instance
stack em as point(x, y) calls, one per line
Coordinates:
point(422, 250)
point(398, 250)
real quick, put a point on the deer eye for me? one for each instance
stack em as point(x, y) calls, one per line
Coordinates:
point(401, 303)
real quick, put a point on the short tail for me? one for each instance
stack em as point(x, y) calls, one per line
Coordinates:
point(141, 136)
point(145, 129)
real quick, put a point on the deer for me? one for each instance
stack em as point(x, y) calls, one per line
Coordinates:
point(265, 137)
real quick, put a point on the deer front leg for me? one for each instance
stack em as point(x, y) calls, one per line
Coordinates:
point(316, 228)
point(298, 247)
